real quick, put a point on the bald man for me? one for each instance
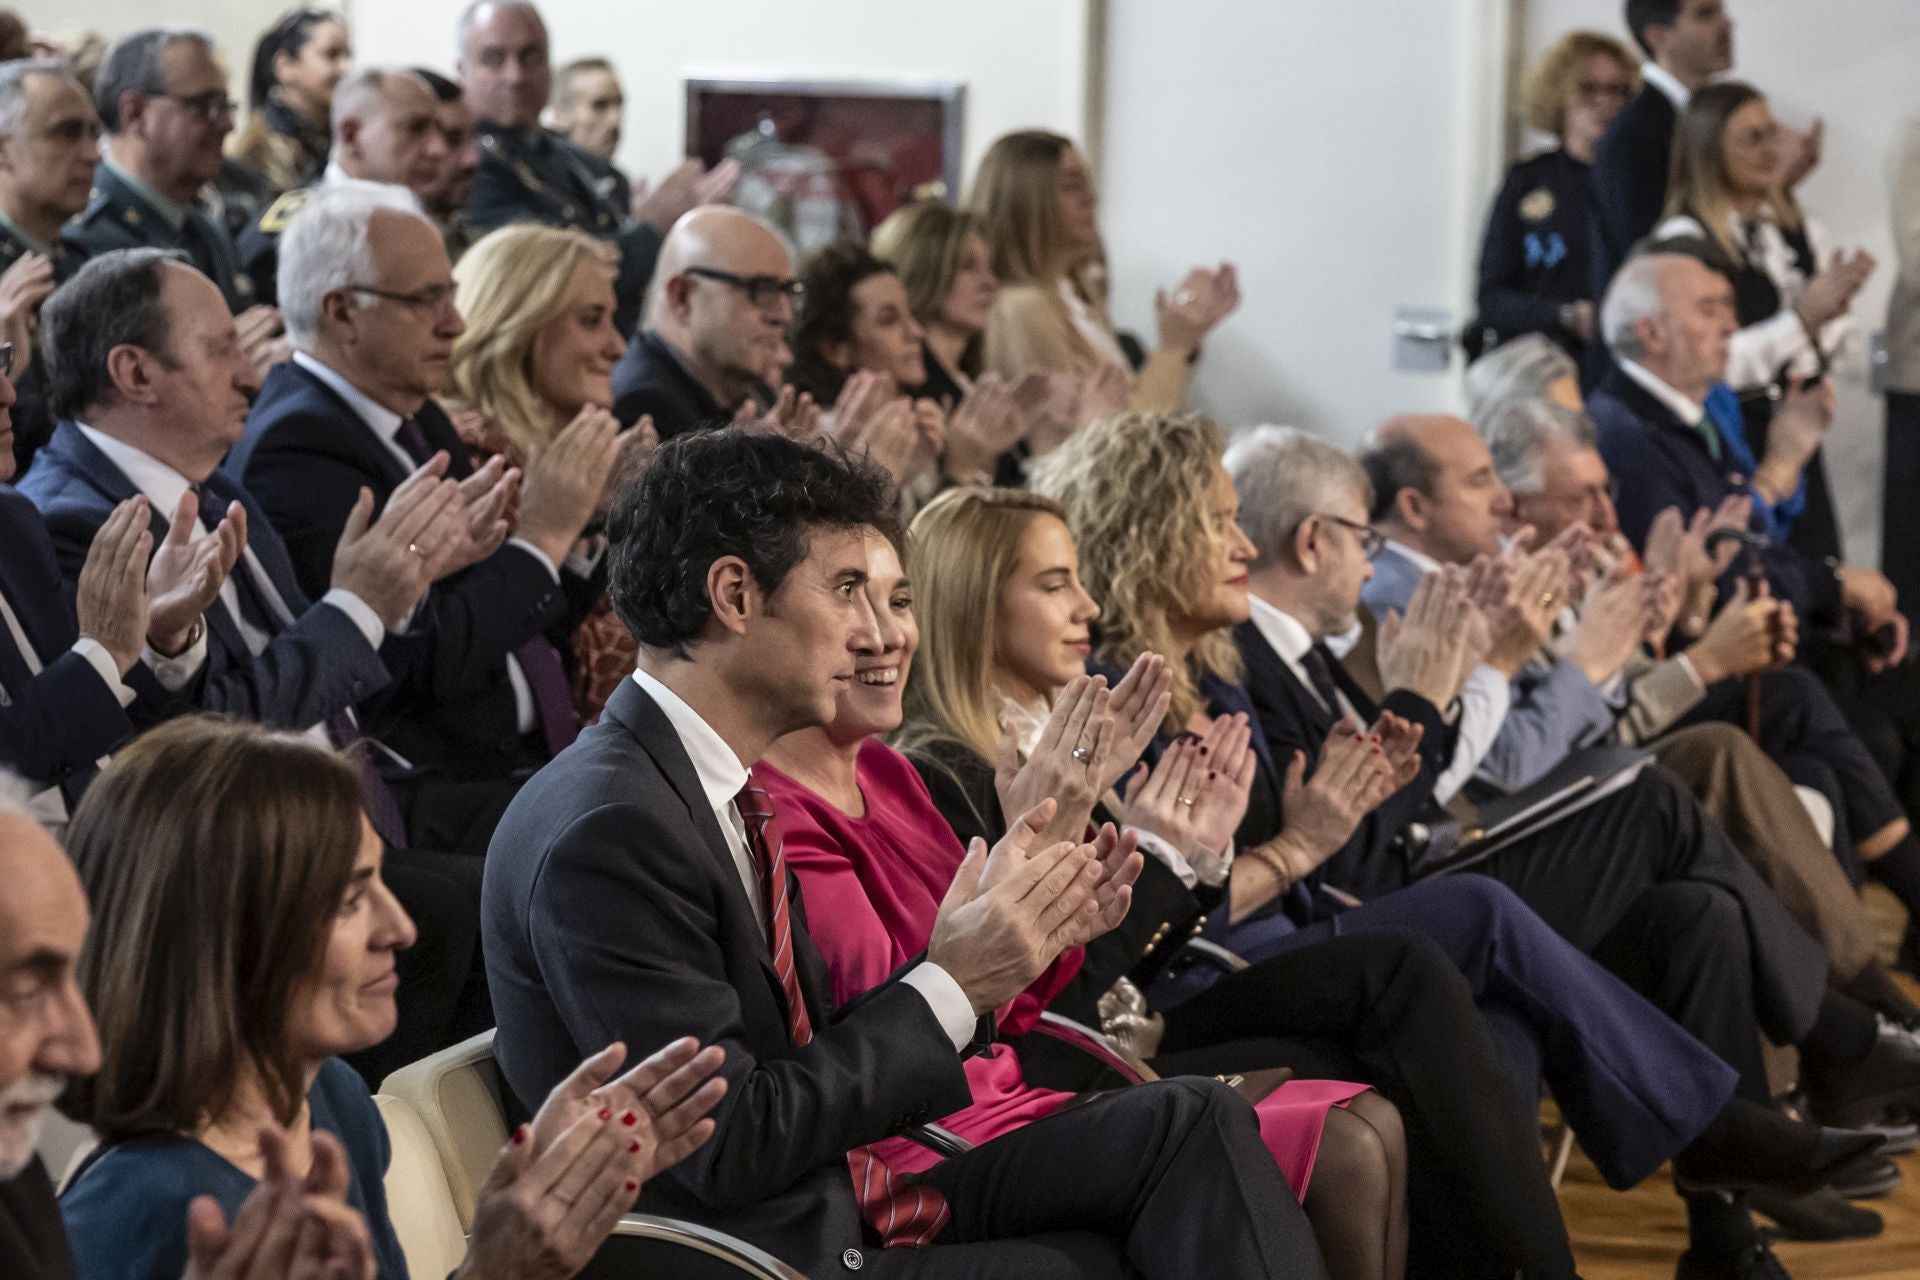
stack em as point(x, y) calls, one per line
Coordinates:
point(723, 296)
point(385, 129)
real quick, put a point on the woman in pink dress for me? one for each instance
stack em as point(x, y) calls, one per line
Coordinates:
point(874, 860)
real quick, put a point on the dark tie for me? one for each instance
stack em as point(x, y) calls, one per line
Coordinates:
point(413, 440)
point(383, 810)
point(1320, 675)
point(15, 670)
point(904, 1213)
point(552, 696)
point(1710, 434)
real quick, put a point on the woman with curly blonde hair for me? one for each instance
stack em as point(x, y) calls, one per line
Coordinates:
point(537, 355)
point(1533, 261)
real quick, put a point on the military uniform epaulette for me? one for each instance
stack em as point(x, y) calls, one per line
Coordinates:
point(13, 248)
point(275, 219)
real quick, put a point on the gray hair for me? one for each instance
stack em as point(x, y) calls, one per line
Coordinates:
point(328, 246)
point(368, 91)
point(1283, 475)
point(470, 13)
point(1522, 369)
point(13, 88)
point(134, 65)
point(1633, 296)
point(1517, 433)
point(112, 301)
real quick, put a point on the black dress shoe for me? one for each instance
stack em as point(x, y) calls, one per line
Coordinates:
point(1867, 1180)
point(1755, 1263)
point(1819, 1216)
point(1859, 1094)
point(1749, 1145)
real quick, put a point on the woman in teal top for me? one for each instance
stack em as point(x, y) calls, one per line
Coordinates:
point(242, 941)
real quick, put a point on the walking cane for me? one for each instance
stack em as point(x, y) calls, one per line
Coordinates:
point(1752, 545)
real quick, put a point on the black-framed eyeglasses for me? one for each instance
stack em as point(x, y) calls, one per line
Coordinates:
point(435, 297)
point(6, 359)
point(1371, 540)
point(214, 105)
point(761, 291)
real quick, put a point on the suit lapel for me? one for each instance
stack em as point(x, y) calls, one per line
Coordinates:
point(379, 458)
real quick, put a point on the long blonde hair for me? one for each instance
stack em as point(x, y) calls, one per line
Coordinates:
point(1697, 184)
point(1016, 196)
point(926, 242)
point(1138, 493)
point(962, 549)
point(509, 287)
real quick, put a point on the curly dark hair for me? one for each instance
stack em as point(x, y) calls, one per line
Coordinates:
point(728, 492)
point(826, 315)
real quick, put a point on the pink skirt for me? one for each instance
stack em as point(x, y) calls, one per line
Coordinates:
point(1291, 1117)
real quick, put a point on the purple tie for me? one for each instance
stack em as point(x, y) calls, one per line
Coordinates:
point(414, 441)
point(552, 697)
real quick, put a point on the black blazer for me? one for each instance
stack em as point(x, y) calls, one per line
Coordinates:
point(651, 380)
point(1629, 180)
point(319, 665)
point(1291, 718)
point(33, 1240)
point(305, 456)
point(613, 910)
point(53, 730)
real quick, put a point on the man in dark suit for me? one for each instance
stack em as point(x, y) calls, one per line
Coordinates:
point(1687, 43)
point(47, 159)
point(716, 335)
point(130, 432)
point(1690, 926)
point(485, 697)
point(637, 890)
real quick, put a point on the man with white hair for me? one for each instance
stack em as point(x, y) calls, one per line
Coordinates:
point(385, 129)
point(368, 296)
point(47, 1038)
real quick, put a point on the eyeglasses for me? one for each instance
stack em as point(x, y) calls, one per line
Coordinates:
point(435, 297)
point(213, 106)
point(1371, 540)
point(6, 359)
point(761, 291)
point(1605, 90)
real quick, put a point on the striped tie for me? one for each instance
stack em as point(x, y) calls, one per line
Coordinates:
point(904, 1213)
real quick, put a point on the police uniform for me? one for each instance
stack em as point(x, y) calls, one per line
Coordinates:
point(535, 175)
point(121, 216)
point(1534, 259)
point(260, 246)
point(32, 416)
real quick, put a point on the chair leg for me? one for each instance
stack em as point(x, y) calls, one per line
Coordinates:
point(1562, 1152)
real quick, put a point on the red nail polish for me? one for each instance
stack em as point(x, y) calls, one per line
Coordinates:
point(606, 1113)
point(629, 1119)
point(633, 1147)
point(1203, 751)
point(520, 1135)
point(1212, 774)
point(632, 1186)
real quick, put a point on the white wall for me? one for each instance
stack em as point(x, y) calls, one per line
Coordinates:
point(1851, 62)
point(1336, 152)
point(1024, 62)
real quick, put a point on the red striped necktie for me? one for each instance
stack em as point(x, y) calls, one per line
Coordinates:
point(904, 1213)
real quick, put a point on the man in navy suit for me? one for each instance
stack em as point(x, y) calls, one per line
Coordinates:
point(637, 890)
point(367, 294)
point(150, 388)
point(1687, 43)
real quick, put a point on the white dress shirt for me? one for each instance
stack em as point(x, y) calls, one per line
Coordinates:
point(1484, 700)
point(385, 425)
point(1666, 82)
point(721, 777)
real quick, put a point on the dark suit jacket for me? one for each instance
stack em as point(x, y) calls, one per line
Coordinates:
point(651, 380)
point(1292, 719)
point(66, 718)
point(1629, 180)
point(1660, 462)
point(119, 217)
point(319, 665)
point(33, 1240)
point(305, 457)
point(613, 911)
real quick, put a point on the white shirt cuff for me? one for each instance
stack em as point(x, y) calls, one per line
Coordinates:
point(948, 1002)
point(371, 625)
point(1170, 857)
point(537, 554)
point(177, 672)
point(96, 654)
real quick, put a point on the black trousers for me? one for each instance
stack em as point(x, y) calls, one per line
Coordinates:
point(1649, 885)
point(1900, 499)
point(1163, 1181)
point(1390, 1010)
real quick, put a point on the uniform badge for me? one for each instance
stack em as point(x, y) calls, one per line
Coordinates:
point(243, 284)
point(274, 220)
point(1538, 205)
point(130, 216)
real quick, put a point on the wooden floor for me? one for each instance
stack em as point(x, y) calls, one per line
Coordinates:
point(1640, 1233)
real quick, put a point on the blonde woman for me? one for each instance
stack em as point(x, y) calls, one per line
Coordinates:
point(1036, 202)
point(538, 353)
point(946, 266)
point(1534, 276)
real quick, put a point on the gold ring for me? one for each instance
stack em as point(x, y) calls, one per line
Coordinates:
point(415, 548)
point(1546, 599)
point(1187, 801)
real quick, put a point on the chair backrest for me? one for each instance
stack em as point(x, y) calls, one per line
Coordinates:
point(419, 1202)
point(456, 1094)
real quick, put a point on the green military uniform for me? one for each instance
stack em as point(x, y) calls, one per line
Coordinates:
point(535, 175)
point(259, 247)
point(31, 414)
point(125, 213)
